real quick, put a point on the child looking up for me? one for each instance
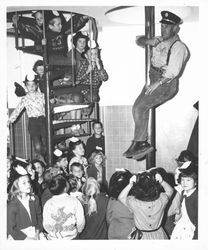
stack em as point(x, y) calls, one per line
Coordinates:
point(63, 216)
point(147, 202)
point(187, 220)
point(24, 220)
point(34, 103)
point(97, 140)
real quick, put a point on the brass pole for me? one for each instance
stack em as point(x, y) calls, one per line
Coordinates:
point(149, 33)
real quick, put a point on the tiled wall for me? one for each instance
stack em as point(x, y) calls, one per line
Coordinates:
point(118, 129)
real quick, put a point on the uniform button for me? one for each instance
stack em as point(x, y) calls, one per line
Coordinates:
point(149, 207)
point(150, 225)
point(149, 215)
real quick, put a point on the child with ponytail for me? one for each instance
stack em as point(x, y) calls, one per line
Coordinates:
point(95, 207)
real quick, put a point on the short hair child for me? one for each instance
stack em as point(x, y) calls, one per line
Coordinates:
point(77, 170)
point(62, 212)
point(58, 185)
point(97, 140)
point(31, 28)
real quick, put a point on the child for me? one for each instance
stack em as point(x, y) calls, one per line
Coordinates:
point(185, 156)
point(147, 202)
point(119, 218)
point(63, 216)
point(77, 170)
point(74, 187)
point(39, 168)
point(96, 169)
point(187, 220)
point(56, 34)
point(97, 140)
point(34, 103)
point(31, 28)
point(80, 43)
point(95, 211)
point(38, 68)
point(24, 221)
point(49, 174)
point(60, 160)
point(77, 152)
point(91, 71)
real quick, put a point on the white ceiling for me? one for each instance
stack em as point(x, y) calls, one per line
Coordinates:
point(127, 16)
point(98, 12)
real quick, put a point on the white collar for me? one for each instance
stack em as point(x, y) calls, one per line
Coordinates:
point(189, 193)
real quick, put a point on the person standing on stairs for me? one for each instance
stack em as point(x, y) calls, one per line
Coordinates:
point(34, 103)
point(168, 60)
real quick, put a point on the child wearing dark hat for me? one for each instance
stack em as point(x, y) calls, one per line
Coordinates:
point(147, 202)
point(24, 219)
point(119, 218)
point(34, 103)
point(80, 41)
point(184, 156)
point(187, 219)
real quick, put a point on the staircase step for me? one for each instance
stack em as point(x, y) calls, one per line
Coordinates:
point(60, 138)
point(68, 107)
point(35, 50)
point(67, 89)
point(58, 124)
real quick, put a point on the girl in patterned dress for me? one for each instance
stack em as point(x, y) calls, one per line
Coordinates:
point(147, 202)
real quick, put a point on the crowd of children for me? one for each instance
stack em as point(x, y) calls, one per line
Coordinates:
point(73, 199)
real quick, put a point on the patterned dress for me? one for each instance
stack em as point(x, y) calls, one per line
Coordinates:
point(148, 216)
